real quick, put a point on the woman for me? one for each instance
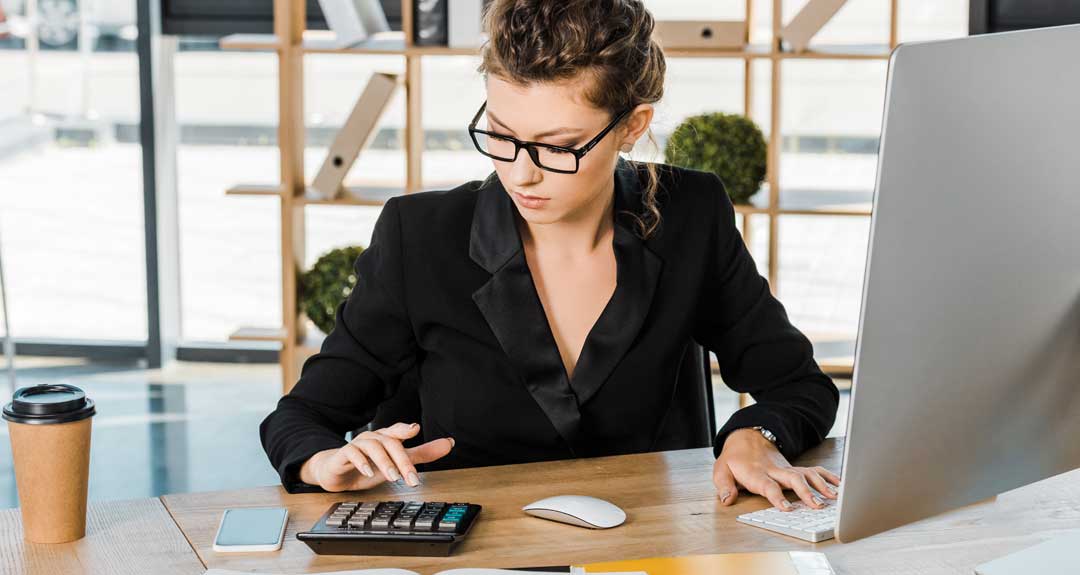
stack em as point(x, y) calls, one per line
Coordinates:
point(542, 313)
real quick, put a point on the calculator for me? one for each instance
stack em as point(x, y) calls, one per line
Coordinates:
point(415, 528)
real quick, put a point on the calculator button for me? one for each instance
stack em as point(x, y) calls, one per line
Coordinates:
point(424, 523)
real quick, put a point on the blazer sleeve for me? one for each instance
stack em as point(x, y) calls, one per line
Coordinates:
point(759, 351)
point(359, 365)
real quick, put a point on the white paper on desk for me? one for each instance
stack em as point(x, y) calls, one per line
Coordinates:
point(463, 571)
point(353, 572)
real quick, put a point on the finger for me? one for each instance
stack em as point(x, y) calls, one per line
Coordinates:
point(795, 480)
point(374, 450)
point(818, 482)
point(725, 485)
point(357, 459)
point(772, 491)
point(401, 431)
point(401, 459)
point(828, 475)
point(430, 451)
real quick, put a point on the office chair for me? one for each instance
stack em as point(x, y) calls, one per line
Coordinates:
point(8, 341)
point(686, 426)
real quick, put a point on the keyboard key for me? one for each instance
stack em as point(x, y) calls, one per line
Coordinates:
point(803, 522)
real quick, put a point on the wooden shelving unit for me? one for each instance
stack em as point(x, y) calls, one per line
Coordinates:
point(291, 43)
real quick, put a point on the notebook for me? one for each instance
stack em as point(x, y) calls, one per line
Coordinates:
point(769, 563)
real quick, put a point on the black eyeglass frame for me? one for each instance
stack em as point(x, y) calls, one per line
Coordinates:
point(531, 147)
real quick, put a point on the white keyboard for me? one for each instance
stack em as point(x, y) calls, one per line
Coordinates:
point(802, 521)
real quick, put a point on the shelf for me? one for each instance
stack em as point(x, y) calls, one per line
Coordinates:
point(366, 195)
point(254, 190)
point(258, 334)
point(841, 52)
point(748, 209)
point(840, 210)
point(393, 44)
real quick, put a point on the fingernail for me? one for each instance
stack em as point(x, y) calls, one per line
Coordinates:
point(414, 479)
point(785, 504)
point(724, 496)
point(452, 442)
point(366, 470)
point(831, 489)
point(395, 476)
point(818, 500)
point(413, 425)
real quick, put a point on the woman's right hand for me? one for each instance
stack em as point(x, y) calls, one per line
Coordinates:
point(371, 458)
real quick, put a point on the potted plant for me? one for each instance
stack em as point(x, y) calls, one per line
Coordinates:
point(329, 281)
point(728, 145)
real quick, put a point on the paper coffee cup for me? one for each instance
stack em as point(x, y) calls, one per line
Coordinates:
point(49, 426)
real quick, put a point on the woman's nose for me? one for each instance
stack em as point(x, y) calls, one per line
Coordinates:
point(523, 171)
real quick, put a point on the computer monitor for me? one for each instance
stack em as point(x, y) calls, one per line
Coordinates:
point(967, 363)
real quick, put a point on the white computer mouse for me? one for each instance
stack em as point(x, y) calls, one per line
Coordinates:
point(580, 510)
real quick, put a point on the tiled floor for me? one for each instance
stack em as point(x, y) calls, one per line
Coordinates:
point(190, 427)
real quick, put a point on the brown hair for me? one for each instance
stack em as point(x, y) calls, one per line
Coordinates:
point(610, 41)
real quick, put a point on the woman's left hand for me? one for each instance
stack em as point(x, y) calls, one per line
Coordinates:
point(750, 460)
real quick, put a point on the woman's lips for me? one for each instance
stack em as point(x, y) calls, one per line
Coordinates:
point(531, 202)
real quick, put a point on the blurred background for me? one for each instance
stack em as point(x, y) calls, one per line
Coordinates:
point(180, 411)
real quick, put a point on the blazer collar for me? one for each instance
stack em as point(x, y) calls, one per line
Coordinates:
point(512, 307)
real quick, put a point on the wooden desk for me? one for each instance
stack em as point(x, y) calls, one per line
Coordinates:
point(133, 537)
point(669, 497)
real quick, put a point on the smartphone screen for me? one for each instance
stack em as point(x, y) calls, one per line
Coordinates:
point(254, 529)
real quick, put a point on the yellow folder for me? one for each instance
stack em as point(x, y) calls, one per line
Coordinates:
point(770, 563)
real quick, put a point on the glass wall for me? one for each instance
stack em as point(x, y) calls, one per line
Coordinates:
point(72, 237)
point(71, 214)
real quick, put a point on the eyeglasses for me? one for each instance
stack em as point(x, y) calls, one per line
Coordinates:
point(559, 159)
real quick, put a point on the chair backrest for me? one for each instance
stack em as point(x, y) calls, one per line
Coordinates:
point(690, 423)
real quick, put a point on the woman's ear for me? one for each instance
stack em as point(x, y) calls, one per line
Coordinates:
point(637, 122)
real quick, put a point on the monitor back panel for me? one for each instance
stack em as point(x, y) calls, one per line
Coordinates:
point(967, 370)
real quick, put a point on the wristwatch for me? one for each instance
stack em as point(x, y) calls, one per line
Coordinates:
point(767, 435)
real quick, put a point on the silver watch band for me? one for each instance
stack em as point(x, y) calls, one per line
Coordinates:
point(768, 435)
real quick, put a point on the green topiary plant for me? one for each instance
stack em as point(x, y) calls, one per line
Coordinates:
point(322, 288)
point(729, 145)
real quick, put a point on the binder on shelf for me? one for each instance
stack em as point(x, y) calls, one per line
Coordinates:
point(358, 130)
point(429, 22)
point(464, 23)
point(808, 22)
point(351, 21)
point(699, 34)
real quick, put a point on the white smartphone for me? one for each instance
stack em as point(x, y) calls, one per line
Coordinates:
point(253, 529)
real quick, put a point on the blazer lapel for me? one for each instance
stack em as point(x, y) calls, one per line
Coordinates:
point(512, 308)
point(637, 273)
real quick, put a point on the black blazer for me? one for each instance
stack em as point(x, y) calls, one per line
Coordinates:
point(444, 295)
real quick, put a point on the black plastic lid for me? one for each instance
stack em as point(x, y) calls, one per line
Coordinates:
point(49, 403)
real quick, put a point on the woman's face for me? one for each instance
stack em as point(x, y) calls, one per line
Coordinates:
point(556, 114)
